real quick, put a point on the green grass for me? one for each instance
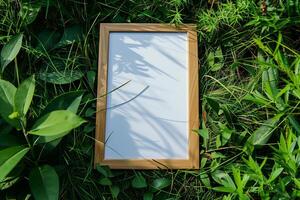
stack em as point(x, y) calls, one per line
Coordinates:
point(250, 92)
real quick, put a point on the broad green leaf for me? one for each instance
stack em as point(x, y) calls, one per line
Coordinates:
point(105, 181)
point(91, 75)
point(225, 133)
point(224, 179)
point(7, 95)
point(115, 190)
point(24, 95)
point(215, 155)
point(275, 173)
point(104, 170)
point(269, 83)
point(9, 158)
point(13, 176)
point(29, 12)
point(215, 60)
point(67, 101)
point(224, 189)
point(46, 39)
point(263, 133)
point(205, 179)
point(139, 181)
point(89, 112)
point(219, 60)
point(297, 182)
point(71, 34)
point(61, 77)
point(44, 183)
point(213, 104)
point(161, 183)
point(56, 123)
point(10, 50)
point(204, 133)
point(211, 59)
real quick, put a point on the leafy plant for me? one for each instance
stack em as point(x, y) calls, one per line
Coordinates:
point(15, 102)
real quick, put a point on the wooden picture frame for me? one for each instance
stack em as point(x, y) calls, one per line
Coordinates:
point(192, 162)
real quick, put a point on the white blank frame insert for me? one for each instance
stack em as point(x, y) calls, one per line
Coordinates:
point(147, 106)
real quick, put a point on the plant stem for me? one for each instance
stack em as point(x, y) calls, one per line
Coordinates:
point(26, 137)
point(17, 71)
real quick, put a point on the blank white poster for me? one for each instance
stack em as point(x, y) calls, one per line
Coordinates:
point(147, 118)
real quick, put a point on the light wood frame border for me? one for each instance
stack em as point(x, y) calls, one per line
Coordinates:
point(193, 89)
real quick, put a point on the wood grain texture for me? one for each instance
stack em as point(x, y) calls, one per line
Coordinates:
point(193, 90)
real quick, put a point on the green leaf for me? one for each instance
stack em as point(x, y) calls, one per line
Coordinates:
point(275, 173)
point(161, 183)
point(56, 123)
point(67, 101)
point(115, 190)
point(205, 179)
point(224, 189)
point(215, 59)
point(47, 40)
point(238, 180)
point(7, 95)
point(104, 170)
point(71, 34)
point(11, 50)
point(29, 12)
point(215, 155)
point(269, 83)
point(225, 133)
point(203, 133)
point(139, 181)
point(297, 182)
point(263, 133)
point(211, 59)
point(218, 141)
point(9, 158)
point(105, 181)
point(44, 183)
point(213, 104)
point(224, 179)
point(219, 58)
point(24, 95)
point(91, 75)
point(61, 77)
